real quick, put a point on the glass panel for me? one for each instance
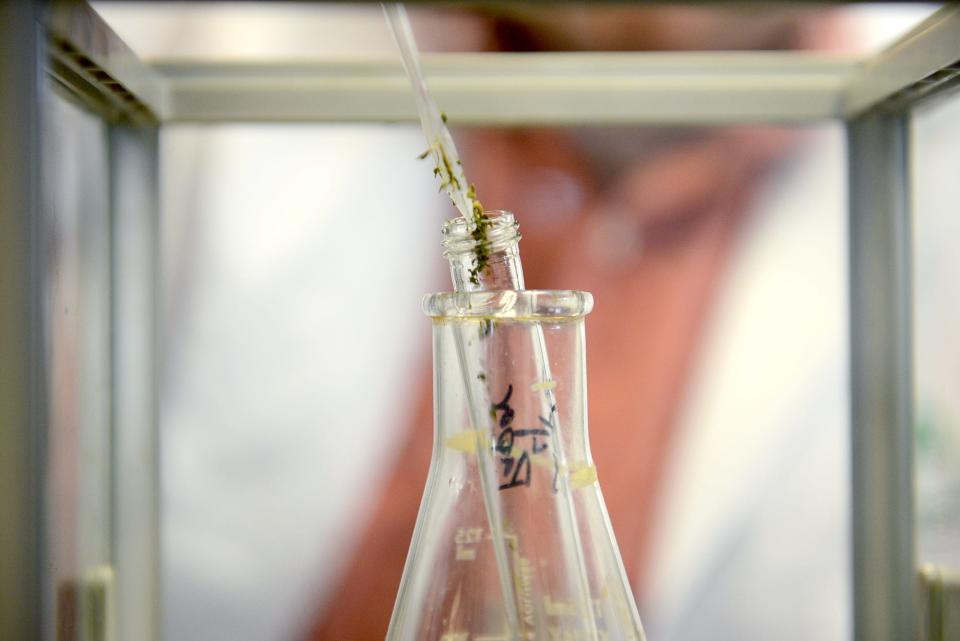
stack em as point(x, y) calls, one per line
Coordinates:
point(937, 332)
point(77, 307)
point(296, 408)
point(308, 31)
point(294, 260)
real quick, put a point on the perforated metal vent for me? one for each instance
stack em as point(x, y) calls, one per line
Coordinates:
point(86, 81)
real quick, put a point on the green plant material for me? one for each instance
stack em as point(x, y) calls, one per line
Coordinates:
point(486, 327)
point(481, 225)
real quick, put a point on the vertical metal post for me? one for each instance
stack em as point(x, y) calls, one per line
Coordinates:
point(881, 381)
point(134, 196)
point(21, 353)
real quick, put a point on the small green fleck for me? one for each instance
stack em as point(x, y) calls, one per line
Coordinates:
point(449, 181)
point(443, 117)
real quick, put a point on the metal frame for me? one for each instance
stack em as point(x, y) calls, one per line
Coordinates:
point(939, 604)
point(21, 374)
point(82, 58)
point(134, 156)
point(521, 88)
point(881, 382)
point(921, 63)
point(87, 58)
point(874, 97)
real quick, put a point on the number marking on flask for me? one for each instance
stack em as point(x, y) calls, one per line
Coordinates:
point(466, 539)
point(517, 461)
point(466, 554)
point(523, 579)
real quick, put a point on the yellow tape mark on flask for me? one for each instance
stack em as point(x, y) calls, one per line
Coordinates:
point(542, 386)
point(466, 441)
point(582, 475)
point(542, 460)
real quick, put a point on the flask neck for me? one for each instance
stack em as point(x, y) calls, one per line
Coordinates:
point(484, 260)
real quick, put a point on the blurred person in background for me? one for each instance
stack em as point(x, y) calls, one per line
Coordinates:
point(649, 220)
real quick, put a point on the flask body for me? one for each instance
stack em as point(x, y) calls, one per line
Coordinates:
point(512, 540)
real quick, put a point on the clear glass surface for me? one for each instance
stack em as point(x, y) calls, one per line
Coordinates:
point(750, 461)
point(301, 30)
point(563, 574)
point(77, 334)
point(936, 337)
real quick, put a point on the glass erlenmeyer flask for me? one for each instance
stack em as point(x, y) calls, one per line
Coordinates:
point(512, 540)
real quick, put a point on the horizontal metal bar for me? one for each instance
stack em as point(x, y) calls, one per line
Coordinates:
point(519, 88)
point(510, 88)
point(920, 63)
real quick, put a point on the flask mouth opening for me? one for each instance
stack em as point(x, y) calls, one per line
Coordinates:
point(458, 239)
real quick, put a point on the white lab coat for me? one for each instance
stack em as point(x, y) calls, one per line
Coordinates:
point(752, 530)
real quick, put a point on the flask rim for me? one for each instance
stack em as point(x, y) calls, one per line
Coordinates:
point(458, 240)
point(509, 304)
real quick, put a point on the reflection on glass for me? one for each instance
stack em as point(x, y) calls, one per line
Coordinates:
point(937, 333)
point(77, 335)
